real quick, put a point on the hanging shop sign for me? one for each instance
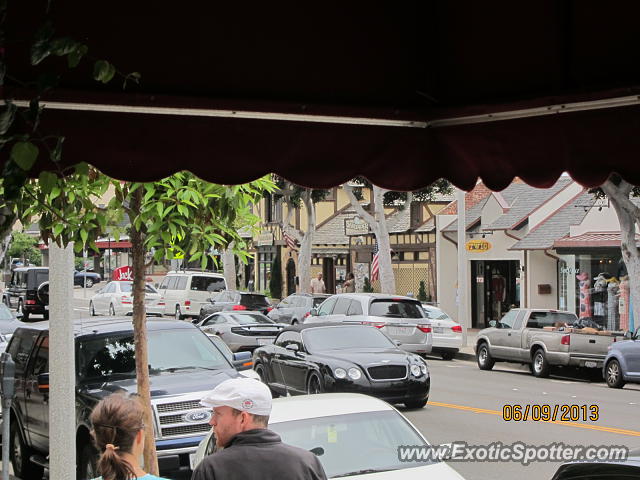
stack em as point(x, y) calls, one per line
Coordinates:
point(478, 246)
point(265, 239)
point(355, 226)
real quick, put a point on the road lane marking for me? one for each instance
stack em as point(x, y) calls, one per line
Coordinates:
point(619, 431)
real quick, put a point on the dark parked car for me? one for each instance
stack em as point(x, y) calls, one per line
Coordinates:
point(601, 469)
point(91, 278)
point(242, 331)
point(295, 308)
point(235, 301)
point(105, 363)
point(28, 291)
point(308, 359)
point(622, 363)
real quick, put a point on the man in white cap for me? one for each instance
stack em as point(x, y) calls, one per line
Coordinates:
point(241, 409)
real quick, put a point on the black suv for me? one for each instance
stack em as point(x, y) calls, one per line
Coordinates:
point(28, 291)
point(105, 363)
point(235, 300)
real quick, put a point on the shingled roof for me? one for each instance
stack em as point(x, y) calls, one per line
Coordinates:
point(557, 226)
point(523, 200)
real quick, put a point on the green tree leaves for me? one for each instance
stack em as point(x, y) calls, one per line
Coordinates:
point(103, 71)
point(24, 154)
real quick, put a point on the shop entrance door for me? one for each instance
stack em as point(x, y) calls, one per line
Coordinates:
point(494, 290)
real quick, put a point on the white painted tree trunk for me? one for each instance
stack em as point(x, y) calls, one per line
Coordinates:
point(305, 239)
point(378, 224)
point(4, 245)
point(229, 267)
point(628, 217)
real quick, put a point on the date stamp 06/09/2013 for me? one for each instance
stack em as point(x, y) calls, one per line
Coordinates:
point(550, 413)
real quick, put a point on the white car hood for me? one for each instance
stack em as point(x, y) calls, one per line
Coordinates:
point(439, 471)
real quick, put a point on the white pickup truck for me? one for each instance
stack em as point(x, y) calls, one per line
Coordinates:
point(540, 338)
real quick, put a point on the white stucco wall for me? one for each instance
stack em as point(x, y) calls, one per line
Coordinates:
point(596, 220)
point(446, 268)
point(542, 269)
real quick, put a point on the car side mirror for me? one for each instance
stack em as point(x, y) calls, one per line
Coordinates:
point(43, 383)
point(242, 361)
point(493, 323)
point(313, 312)
point(292, 347)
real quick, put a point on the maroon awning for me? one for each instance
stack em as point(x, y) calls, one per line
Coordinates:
point(322, 93)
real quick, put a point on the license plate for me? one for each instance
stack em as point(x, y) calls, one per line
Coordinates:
point(265, 341)
point(192, 461)
point(400, 330)
point(590, 364)
point(438, 330)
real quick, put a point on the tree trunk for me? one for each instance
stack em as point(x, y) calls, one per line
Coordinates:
point(378, 224)
point(229, 267)
point(140, 334)
point(628, 217)
point(304, 259)
point(4, 246)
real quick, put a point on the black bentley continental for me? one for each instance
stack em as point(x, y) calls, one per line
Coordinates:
point(315, 358)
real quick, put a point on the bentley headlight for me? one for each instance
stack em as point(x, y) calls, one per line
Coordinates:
point(340, 373)
point(355, 373)
point(415, 370)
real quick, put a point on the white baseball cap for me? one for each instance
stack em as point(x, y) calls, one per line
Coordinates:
point(244, 394)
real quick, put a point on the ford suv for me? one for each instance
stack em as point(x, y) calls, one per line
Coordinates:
point(183, 365)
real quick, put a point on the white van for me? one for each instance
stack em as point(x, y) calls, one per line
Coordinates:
point(184, 292)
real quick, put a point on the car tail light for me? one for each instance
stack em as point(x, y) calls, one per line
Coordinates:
point(30, 302)
point(239, 307)
point(269, 309)
point(424, 328)
point(565, 340)
point(160, 304)
point(374, 324)
point(457, 328)
point(187, 303)
point(126, 299)
point(308, 314)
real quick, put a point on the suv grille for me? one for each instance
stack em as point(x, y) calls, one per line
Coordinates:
point(186, 430)
point(178, 406)
point(388, 372)
point(168, 419)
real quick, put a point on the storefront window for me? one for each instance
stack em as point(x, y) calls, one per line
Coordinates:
point(595, 287)
point(266, 255)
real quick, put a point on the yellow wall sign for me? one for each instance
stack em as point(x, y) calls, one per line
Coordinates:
point(478, 246)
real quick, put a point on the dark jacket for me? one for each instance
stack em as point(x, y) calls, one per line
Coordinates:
point(259, 454)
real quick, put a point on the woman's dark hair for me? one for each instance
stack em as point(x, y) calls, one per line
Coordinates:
point(349, 275)
point(116, 420)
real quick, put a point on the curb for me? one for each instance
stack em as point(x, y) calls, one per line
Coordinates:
point(465, 356)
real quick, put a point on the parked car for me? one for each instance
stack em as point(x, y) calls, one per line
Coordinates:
point(91, 278)
point(242, 331)
point(401, 318)
point(622, 363)
point(233, 300)
point(241, 360)
point(116, 298)
point(105, 363)
point(296, 308)
point(25, 291)
point(525, 335)
point(9, 322)
point(601, 469)
point(186, 291)
point(354, 436)
point(320, 358)
point(447, 333)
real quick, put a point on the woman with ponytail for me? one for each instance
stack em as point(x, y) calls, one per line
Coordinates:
point(118, 432)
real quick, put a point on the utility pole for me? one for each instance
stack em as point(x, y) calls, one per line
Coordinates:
point(463, 316)
point(62, 399)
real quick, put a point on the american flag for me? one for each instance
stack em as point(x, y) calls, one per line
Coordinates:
point(291, 242)
point(375, 266)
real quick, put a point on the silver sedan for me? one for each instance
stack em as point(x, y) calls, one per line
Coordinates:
point(241, 330)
